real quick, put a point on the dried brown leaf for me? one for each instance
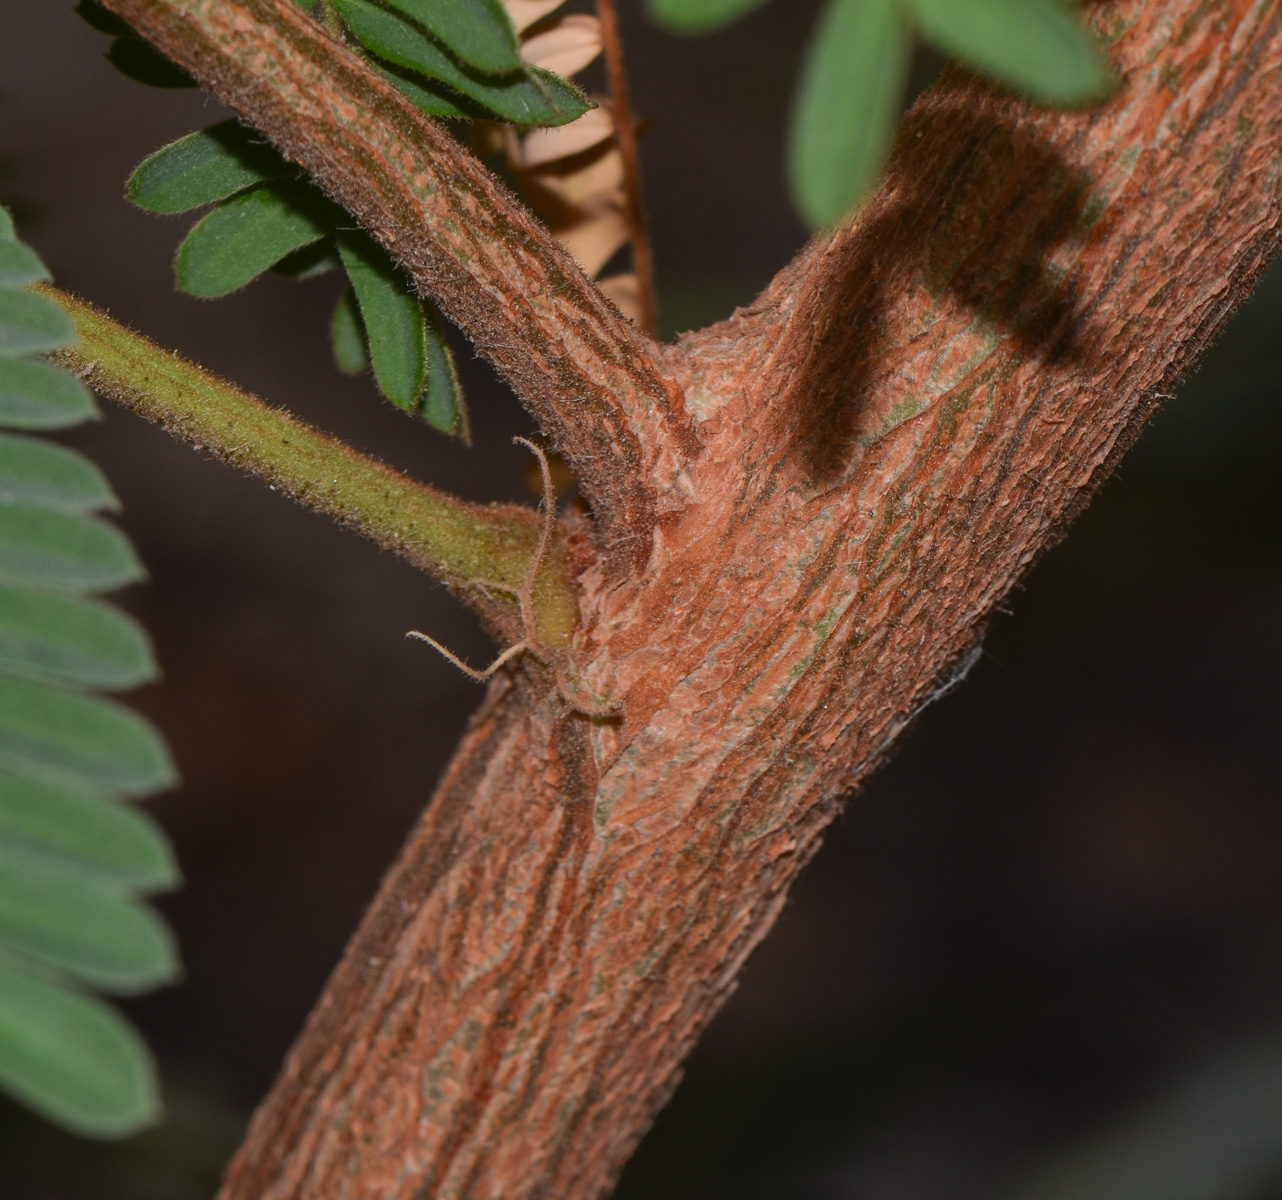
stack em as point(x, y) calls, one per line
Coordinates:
point(594, 239)
point(525, 12)
point(576, 181)
point(546, 145)
point(566, 46)
point(625, 291)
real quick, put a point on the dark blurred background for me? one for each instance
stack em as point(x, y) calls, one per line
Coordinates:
point(1039, 957)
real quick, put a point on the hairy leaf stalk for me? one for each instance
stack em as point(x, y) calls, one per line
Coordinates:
point(483, 551)
point(824, 498)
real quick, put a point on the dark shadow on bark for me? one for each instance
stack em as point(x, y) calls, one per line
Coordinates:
point(972, 210)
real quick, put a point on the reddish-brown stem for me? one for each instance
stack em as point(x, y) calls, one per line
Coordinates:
point(593, 380)
point(625, 133)
point(892, 433)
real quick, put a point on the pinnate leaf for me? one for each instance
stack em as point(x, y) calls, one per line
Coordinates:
point(847, 106)
point(698, 16)
point(73, 1058)
point(1039, 47)
point(479, 32)
point(31, 324)
point(204, 167)
point(395, 330)
point(34, 471)
point(37, 395)
point(66, 639)
point(81, 739)
point(80, 923)
point(41, 548)
point(431, 97)
point(526, 97)
point(250, 233)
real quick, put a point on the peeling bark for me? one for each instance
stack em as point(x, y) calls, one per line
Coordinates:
point(903, 422)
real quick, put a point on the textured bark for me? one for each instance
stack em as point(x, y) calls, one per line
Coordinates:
point(592, 380)
point(890, 435)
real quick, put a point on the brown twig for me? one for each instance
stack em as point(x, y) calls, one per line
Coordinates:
point(625, 134)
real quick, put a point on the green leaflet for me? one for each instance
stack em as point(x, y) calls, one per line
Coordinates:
point(347, 335)
point(698, 16)
point(135, 58)
point(204, 167)
point(36, 395)
point(443, 405)
point(432, 98)
point(91, 928)
point(6, 226)
point(1039, 47)
point(393, 319)
point(63, 551)
point(66, 639)
point(85, 831)
point(20, 265)
point(34, 471)
point(479, 32)
point(80, 739)
point(527, 97)
point(847, 106)
point(31, 324)
point(245, 236)
point(73, 1058)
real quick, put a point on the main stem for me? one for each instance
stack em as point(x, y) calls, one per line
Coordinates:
point(900, 425)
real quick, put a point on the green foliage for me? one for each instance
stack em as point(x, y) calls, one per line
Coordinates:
point(848, 105)
point(852, 84)
point(698, 16)
point(1037, 47)
point(480, 33)
point(74, 857)
point(72, 1058)
point(451, 60)
point(34, 395)
point(250, 233)
point(205, 167)
point(525, 97)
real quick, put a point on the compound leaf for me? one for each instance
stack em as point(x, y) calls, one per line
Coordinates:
point(37, 395)
point(44, 474)
point(250, 233)
point(428, 96)
point(204, 167)
point(526, 97)
point(1039, 47)
point(81, 739)
point(395, 329)
point(847, 106)
point(66, 639)
point(31, 324)
point(79, 923)
point(64, 551)
point(480, 32)
point(73, 1058)
point(86, 830)
point(698, 16)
